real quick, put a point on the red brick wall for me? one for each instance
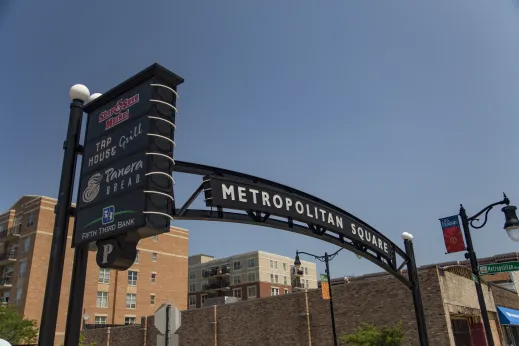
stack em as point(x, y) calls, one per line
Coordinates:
point(282, 320)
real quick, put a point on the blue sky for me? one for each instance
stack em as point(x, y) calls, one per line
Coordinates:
point(396, 111)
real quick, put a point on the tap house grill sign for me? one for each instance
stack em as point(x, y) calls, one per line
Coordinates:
point(126, 183)
point(240, 195)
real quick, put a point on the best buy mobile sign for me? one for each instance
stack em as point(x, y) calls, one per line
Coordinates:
point(498, 268)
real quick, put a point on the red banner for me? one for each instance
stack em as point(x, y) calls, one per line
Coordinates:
point(452, 235)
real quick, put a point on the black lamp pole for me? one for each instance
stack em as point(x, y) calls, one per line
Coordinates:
point(326, 259)
point(510, 224)
point(63, 211)
point(412, 272)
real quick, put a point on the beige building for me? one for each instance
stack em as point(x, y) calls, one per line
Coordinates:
point(111, 297)
point(250, 275)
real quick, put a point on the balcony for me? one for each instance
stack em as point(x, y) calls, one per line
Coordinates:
point(297, 273)
point(217, 286)
point(11, 233)
point(220, 271)
point(298, 284)
point(6, 282)
point(7, 258)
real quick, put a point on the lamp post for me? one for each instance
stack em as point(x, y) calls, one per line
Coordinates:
point(77, 285)
point(326, 259)
point(412, 272)
point(512, 228)
point(79, 94)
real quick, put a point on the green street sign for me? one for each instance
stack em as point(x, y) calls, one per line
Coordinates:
point(498, 268)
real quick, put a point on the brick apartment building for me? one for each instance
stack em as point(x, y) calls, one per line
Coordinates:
point(245, 276)
point(159, 274)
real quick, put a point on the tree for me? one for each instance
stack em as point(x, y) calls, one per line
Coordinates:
point(83, 342)
point(369, 335)
point(14, 328)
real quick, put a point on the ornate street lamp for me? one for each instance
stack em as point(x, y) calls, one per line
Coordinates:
point(512, 228)
point(326, 259)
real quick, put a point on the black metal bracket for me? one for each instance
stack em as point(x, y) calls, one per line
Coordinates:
point(486, 210)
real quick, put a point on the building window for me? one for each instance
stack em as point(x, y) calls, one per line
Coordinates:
point(271, 277)
point(136, 258)
point(152, 299)
point(100, 320)
point(284, 266)
point(236, 279)
point(251, 263)
point(132, 277)
point(237, 265)
point(276, 278)
point(30, 220)
point(102, 299)
point(236, 292)
point(307, 285)
point(251, 277)
point(274, 291)
point(192, 302)
point(192, 274)
point(302, 283)
point(154, 257)
point(192, 287)
point(203, 298)
point(18, 297)
point(286, 290)
point(156, 238)
point(306, 271)
point(104, 276)
point(153, 277)
point(23, 266)
point(129, 320)
point(271, 264)
point(2, 227)
point(17, 221)
point(26, 244)
point(251, 292)
point(284, 280)
point(275, 264)
point(131, 301)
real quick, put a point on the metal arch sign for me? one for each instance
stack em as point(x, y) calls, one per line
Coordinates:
point(236, 194)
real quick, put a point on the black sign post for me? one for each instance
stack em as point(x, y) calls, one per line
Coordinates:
point(126, 184)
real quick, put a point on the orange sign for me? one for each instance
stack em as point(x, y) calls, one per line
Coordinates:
point(325, 288)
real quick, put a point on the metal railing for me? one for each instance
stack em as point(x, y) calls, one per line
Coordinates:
point(6, 281)
point(11, 231)
point(11, 255)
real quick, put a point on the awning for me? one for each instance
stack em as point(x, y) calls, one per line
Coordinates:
point(508, 316)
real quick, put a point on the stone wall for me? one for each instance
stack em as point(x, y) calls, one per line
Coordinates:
point(300, 318)
point(132, 335)
point(504, 297)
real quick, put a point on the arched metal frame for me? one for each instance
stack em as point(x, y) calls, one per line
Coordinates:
point(252, 217)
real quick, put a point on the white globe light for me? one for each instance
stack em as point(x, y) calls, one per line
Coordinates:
point(513, 233)
point(94, 96)
point(4, 343)
point(79, 92)
point(407, 236)
point(86, 317)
